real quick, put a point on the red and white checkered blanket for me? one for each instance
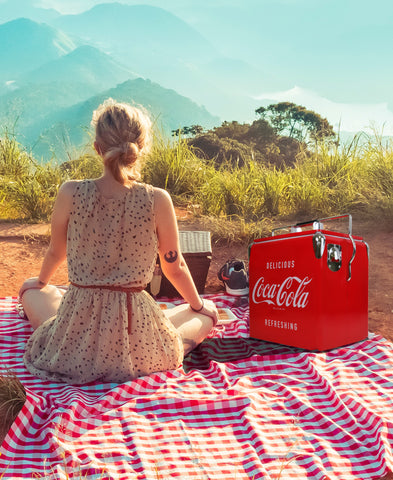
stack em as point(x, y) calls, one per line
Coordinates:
point(237, 409)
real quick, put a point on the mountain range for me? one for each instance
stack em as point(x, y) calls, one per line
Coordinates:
point(216, 61)
point(159, 45)
point(12, 9)
point(61, 133)
point(26, 45)
point(52, 77)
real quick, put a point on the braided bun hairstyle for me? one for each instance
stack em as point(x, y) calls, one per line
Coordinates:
point(123, 134)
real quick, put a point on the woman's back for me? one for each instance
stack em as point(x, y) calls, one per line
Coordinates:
point(112, 241)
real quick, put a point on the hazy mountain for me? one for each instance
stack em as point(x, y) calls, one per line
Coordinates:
point(26, 45)
point(85, 65)
point(151, 42)
point(23, 109)
point(138, 32)
point(68, 128)
point(12, 9)
point(58, 84)
point(158, 45)
point(341, 50)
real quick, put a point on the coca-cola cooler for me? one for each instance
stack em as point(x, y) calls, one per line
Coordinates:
point(309, 286)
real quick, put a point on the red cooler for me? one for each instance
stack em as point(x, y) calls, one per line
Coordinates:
point(309, 287)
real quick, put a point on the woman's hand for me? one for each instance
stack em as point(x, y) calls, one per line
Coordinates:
point(31, 283)
point(210, 310)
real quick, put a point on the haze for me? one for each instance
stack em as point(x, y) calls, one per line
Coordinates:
point(333, 57)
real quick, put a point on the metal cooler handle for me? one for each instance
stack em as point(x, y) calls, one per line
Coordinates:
point(346, 215)
point(353, 256)
point(318, 225)
point(317, 222)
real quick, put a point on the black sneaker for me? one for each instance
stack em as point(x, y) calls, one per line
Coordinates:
point(235, 278)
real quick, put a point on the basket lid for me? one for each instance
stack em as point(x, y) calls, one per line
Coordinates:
point(195, 241)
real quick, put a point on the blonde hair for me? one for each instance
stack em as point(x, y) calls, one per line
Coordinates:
point(123, 134)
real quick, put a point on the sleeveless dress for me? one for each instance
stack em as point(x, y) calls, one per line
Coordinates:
point(103, 331)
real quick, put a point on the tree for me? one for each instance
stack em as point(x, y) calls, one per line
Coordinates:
point(222, 150)
point(261, 133)
point(235, 130)
point(193, 130)
point(295, 121)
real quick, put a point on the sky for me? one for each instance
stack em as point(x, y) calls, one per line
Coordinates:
point(334, 57)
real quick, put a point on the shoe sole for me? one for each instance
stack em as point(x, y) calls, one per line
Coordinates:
point(238, 293)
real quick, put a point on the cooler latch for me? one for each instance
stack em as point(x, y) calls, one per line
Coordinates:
point(334, 257)
point(318, 243)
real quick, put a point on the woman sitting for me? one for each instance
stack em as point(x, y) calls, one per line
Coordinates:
point(105, 326)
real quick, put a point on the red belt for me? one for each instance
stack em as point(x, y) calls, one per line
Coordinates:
point(127, 290)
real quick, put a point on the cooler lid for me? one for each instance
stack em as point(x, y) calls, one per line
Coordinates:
point(310, 227)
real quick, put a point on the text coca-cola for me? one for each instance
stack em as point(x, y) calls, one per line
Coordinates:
point(291, 292)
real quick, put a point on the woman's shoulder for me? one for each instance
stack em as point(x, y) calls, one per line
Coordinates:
point(69, 187)
point(159, 194)
point(163, 205)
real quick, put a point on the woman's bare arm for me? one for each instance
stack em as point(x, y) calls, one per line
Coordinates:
point(56, 253)
point(172, 262)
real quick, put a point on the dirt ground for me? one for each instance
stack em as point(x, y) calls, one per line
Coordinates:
point(22, 248)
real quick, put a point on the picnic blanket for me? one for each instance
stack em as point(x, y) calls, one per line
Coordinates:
point(237, 409)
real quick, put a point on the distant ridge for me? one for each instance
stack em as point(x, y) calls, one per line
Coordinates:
point(12, 9)
point(149, 30)
point(168, 110)
point(152, 42)
point(26, 45)
point(51, 84)
point(85, 64)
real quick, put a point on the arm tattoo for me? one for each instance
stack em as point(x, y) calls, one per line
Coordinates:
point(171, 256)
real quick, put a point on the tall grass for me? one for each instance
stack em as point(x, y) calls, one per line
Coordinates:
point(251, 192)
point(14, 161)
point(32, 197)
point(28, 188)
point(379, 174)
point(175, 167)
point(329, 181)
point(357, 177)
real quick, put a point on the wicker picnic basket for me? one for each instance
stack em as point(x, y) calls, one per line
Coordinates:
point(197, 252)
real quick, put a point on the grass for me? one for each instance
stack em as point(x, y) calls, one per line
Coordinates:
point(238, 201)
point(12, 399)
point(28, 188)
